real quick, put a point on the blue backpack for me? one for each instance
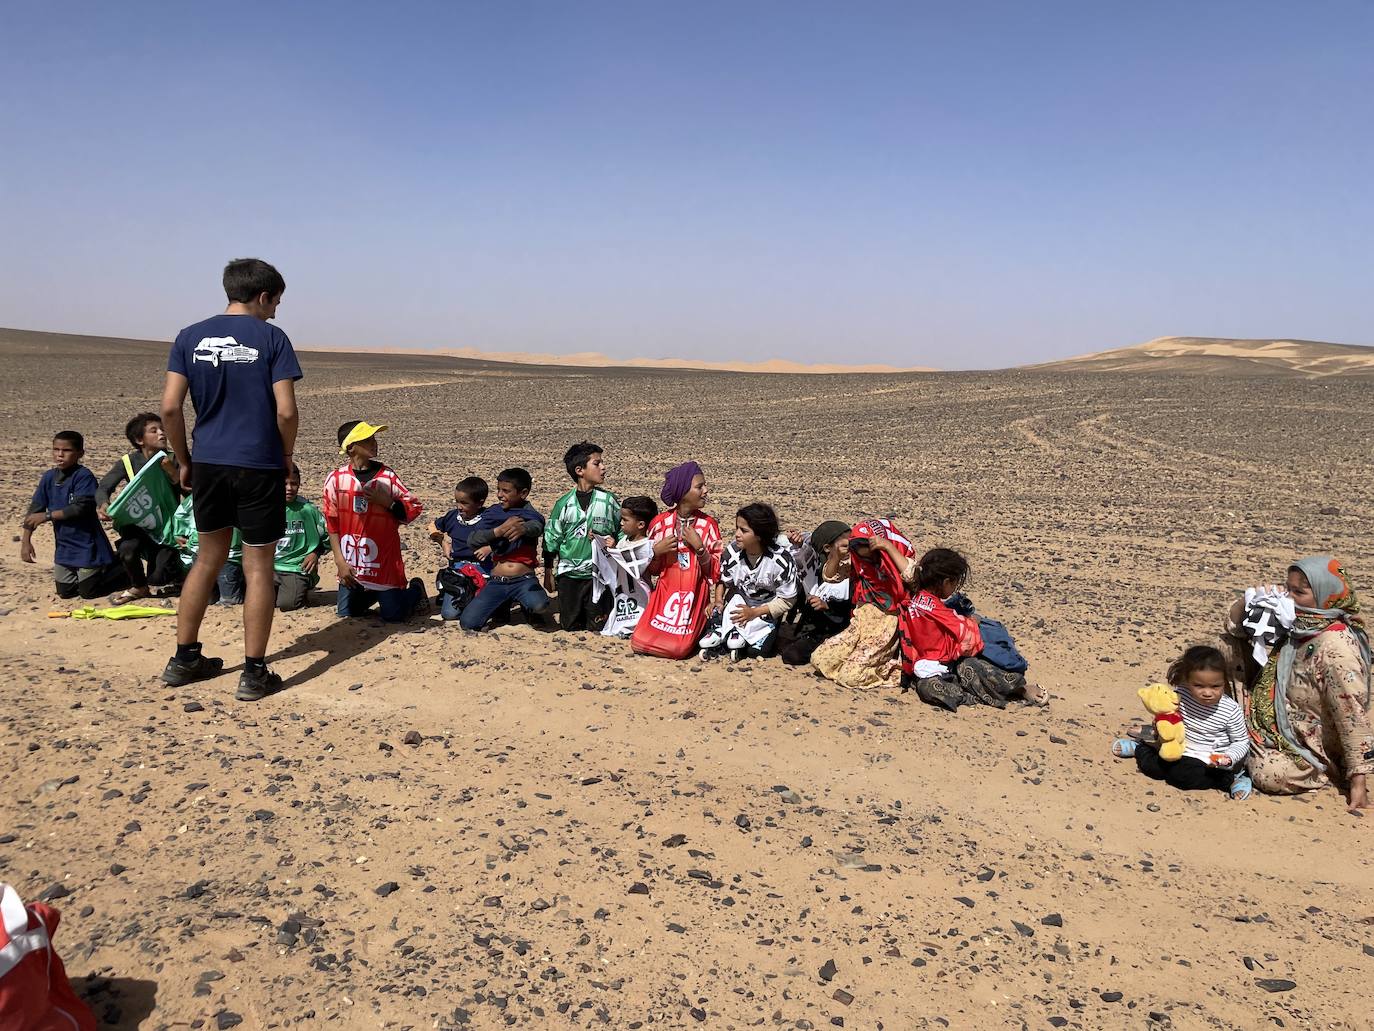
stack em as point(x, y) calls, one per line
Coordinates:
point(998, 647)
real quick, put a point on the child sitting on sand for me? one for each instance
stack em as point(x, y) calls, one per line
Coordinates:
point(758, 585)
point(365, 505)
point(1215, 738)
point(623, 569)
point(822, 558)
point(453, 532)
point(83, 562)
point(995, 674)
point(686, 545)
point(586, 512)
point(507, 535)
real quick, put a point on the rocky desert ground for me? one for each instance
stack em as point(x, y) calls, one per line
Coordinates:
point(583, 838)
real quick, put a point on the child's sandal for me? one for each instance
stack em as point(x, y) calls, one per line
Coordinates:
point(1242, 787)
point(1124, 748)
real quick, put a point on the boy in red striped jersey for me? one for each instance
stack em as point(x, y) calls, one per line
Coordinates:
point(365, 505)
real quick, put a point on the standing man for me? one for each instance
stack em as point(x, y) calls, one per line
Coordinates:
point(241, 375)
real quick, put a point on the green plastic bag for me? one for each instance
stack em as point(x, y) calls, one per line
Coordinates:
point(148, 502)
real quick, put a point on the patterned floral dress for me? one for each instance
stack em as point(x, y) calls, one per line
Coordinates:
point(1327, 710)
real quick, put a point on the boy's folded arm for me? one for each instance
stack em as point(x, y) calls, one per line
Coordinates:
point(481, 538)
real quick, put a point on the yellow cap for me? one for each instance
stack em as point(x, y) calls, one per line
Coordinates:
point(359, 432)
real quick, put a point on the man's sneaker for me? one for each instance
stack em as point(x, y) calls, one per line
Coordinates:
point(254, 687)
point(179, 674)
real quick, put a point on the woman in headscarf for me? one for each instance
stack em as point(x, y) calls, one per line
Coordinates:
point(1307, 704)
point(868, 653)
point(687, 549)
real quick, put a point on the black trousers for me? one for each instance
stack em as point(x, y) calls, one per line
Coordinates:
point(110, 578)
point(576, 610)
point(164, 564)
point(1187, 774)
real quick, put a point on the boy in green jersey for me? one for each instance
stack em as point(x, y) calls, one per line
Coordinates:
point(586, 511)
point(296, 566)
point(229, 583)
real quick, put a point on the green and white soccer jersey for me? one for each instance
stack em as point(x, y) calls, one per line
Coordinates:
point(569, 530)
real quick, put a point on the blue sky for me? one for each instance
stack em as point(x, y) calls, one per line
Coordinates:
point(959, 185)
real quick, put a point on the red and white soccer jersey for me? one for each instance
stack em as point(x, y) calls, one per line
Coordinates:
point(369, 534)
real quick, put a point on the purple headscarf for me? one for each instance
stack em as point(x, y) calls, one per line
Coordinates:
point(678, 482)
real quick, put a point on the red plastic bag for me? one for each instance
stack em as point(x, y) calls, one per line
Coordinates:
point(676, 615)
point(35, 994)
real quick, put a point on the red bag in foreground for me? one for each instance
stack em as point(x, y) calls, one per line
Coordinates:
point(35, 994)
point(680, 603)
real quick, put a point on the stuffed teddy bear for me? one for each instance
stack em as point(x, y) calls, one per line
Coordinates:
point(1161, 702)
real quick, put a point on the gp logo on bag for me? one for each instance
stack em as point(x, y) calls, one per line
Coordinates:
point(142, 509)
point(359, 552)
point(676, 616)
point(223, 349)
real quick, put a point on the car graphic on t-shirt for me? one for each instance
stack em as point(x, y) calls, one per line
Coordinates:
point(223, 349)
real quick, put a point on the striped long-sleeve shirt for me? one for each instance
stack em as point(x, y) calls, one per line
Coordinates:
point(1213, 730)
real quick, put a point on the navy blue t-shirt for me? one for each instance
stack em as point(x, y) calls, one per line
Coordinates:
point(451, 523)
point(231, 362)
point(81, 543)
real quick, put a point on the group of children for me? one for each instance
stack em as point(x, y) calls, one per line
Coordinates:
point(154, 547)
point(601, 556)
point(761, 592)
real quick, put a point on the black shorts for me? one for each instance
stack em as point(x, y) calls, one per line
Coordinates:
point(251, 500)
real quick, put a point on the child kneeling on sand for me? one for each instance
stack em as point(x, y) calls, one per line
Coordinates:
point(453, 532)
point(586, 513)
point(507, 535)
point(306, 541)
point(137, 545)
point(365, 505)
point(1214, 735)
point(83, 562)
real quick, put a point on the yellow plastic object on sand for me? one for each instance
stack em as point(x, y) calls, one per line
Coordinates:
point(114, 612)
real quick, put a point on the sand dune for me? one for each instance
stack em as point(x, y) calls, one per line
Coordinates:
point(596, 360)
point(1221, 354)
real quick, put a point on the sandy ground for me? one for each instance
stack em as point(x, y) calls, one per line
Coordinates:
point(586, 838)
